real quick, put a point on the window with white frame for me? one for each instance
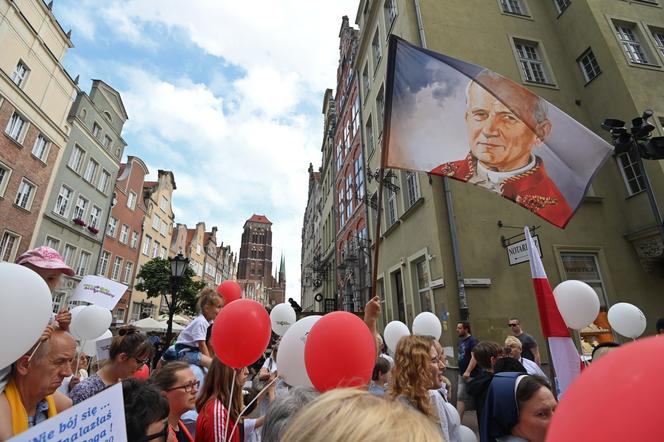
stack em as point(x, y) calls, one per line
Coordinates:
point(561, 5)
point(104, 179)
point(340, 155)
point(83, 262)
point(164, 253)
point(531, 62)
point(631, 44)
point(163, 229)
point(376, 51)
point(124, 234)
point(365, 79)
point(107, 141)
point(349, 195)
point(96, 130)
point(81, 208)
point(589, 66)
point(156, 221)
point(119, 315)
point(76, 159)
point(342, 208)
point(90, 170)
point(95, 217)
point(359, 178)
point(129, 267)
point(62, 201)
point(68, 254)
point(16, 127)
point(146, 245)
point(356, 115)
point(20, 74)
point(380, 108)
point(347, 135)
point(412, 188)
point(390, 10)
point(631, 173)
point(423, 285)
point(117, 265)
point(582, 266)
point(5, 173)
point(103, 263)
point(391, 207)
point(155, 249)
point(134, 240)
point(131, 200)
point(51, 242)
point(8, 246)
point(25, 194)
point(513, 7)
point(368, 128)
point(198, 249)
point(658, 36)
point(112, 225)
point(163, 203)
point(58, 299)
point(40, 148)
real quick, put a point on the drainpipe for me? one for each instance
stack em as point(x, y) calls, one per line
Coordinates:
point(461, 289)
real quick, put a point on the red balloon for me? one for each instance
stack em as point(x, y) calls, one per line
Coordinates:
point(230, 291)
point(340, 352)
point(241, 333)
point(142, 373)
point(617, 398)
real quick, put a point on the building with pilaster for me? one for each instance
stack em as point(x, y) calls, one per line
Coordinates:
point(311, 282)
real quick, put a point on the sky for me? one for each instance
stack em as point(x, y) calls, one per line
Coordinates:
point(226, 94)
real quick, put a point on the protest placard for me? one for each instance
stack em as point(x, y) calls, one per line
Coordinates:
point(98, 419)
point(99, 291)
point(103, 347)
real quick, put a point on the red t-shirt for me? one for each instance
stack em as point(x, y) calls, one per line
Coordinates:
point(212, 422)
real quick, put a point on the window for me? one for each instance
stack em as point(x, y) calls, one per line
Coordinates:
point(391, 207)
point(129, 267)
point(16, 127)
point(342, 208)
point(90, 170)
point(131, 200)
point(156, 221)
point(390, 10)
point(659, 40)
point(376, 51)
point(117, 265)
point(112, 224)
point(95, 217)
point(347, 136)
point(96, 130)
point(531, 62)
point(369, 134)
point(340, 155)
point(83, 261)
point(68, 255)
point(155, 249)
point(198, 249)
point(103, 263)
point(359, 178)
point(422, 271)
point(584, 267)
point(356, 115)
point(8, 246)
point(561, 5)
point(164, 228)
point(25, 194)
point(349, 195)
point(513, 7)
point(146, 245)
point(52, 243)
point(631, 44)
point(163, 203)
point(120, 315)
point(80, 208)
point(40, 149)
point(134, 240)
point(107, 141)
point(76, 159)
point(589, 65)
point(124, 234)
point(5, 173)
point(20, 74)
point(365, 79)
point(62, 202)
point(631, 173)
point(164, 253)
point(412, 188)
point(380, 108)
point(104, 179)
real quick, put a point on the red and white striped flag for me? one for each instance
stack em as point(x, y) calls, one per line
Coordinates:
point(565, 358)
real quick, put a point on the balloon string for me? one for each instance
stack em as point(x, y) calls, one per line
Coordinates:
point(249, 404)
point(78, 357)
point(35, 350)
point(224, 427)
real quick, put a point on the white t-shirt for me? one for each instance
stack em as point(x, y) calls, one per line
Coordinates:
point(194, 332)
point(271, 366)
point(447, 416)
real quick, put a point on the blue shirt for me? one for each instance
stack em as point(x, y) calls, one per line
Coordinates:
point(40, 415)
point(466, 346)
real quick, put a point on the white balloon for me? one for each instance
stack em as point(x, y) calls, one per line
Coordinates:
point(577, 302)
point(25, 309)
point(90, 322)
point(627, 319)
point(90, 346)
point(467, 435)
point(290, 357)
point(282, 317)
point(393, 332)
point(427, 324)
point(75, 311)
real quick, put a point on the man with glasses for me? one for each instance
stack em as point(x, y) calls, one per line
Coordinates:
point(529, 348)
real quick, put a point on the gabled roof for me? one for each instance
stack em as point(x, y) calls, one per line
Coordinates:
point(150, 183)
point(259, 219)
point(113, 97)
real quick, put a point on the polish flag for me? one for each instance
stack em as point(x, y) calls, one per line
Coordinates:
point(565, 358)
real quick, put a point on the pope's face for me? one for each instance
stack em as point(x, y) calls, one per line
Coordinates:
point(498, 138)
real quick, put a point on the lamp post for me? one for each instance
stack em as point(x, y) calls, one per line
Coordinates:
point(179, 266)
point(638, 143)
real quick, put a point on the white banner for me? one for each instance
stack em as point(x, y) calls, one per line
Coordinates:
point(99, 419)
point(99, 291)
point(103, 347)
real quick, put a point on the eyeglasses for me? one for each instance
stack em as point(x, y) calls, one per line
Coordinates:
point(163, 433)
point(512, 325)
point(188, 387)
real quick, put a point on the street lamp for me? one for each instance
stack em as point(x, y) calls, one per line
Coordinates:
point(638, 143)
point(179, 266)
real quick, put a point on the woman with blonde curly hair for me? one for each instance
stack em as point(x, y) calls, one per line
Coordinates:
point(348, 414)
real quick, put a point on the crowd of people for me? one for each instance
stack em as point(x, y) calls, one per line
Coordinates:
point(191, 395)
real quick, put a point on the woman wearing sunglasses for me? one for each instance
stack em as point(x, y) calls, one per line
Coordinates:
point(129, 351)
point(179, 385)
point(146, 412)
